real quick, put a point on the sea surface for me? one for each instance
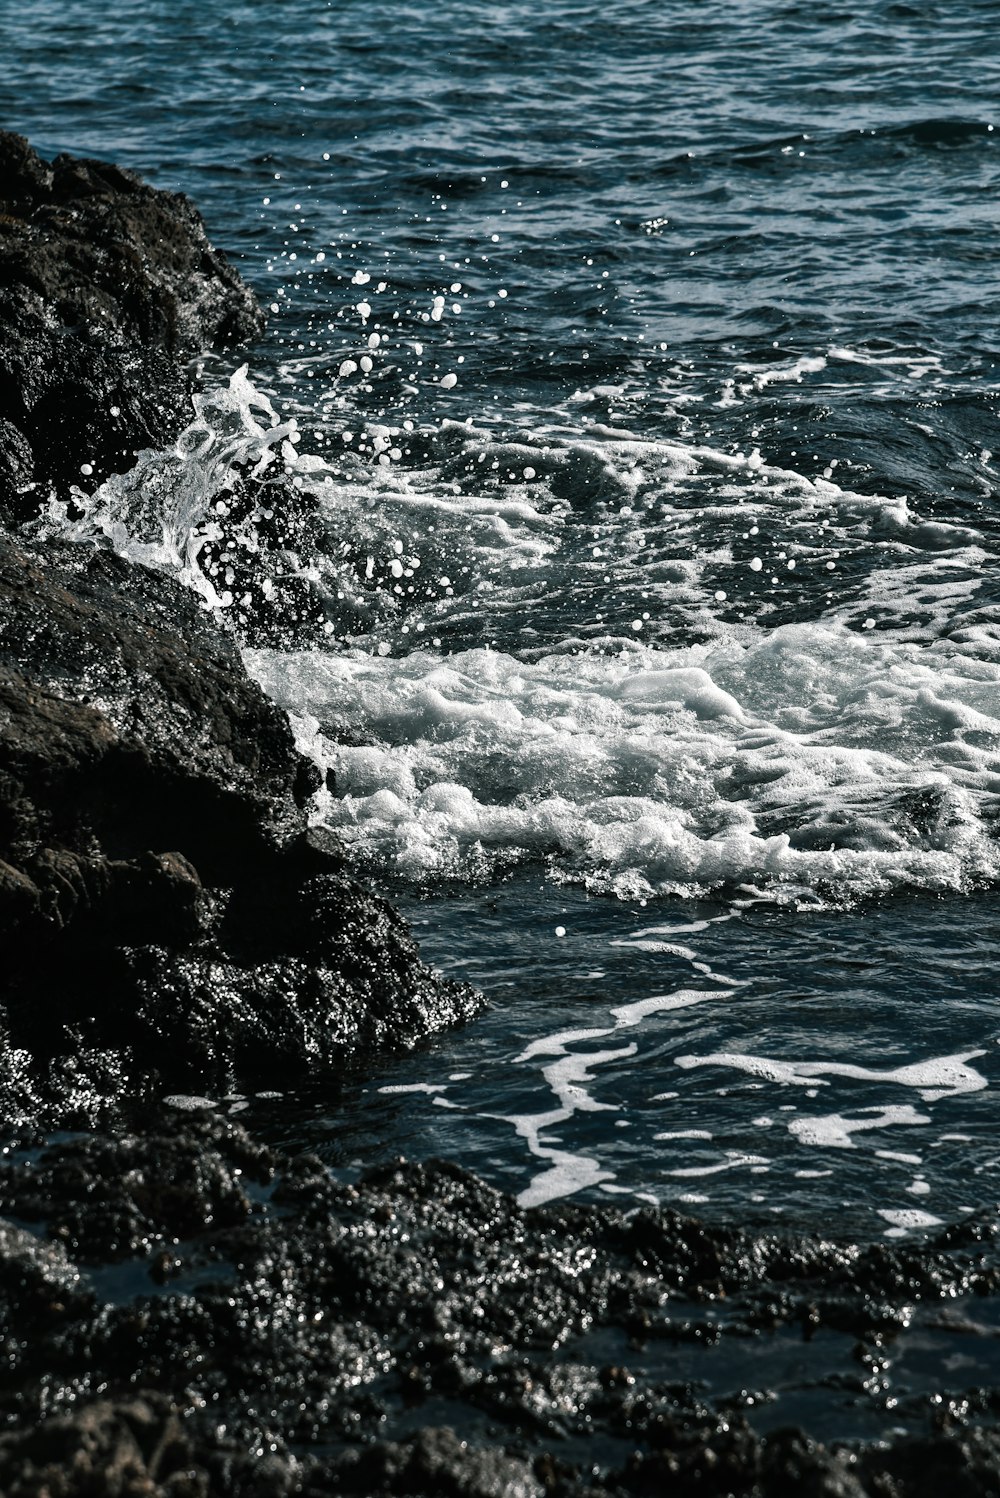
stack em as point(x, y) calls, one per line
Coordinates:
point(640, 361)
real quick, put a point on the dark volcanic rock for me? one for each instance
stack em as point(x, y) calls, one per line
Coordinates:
point(121, 696)
point(166, 918)
point(105, 1199)
point(108, 287)
point(164, 914)
point(138, 1447)
point(435, 1461)
point(263, 1328)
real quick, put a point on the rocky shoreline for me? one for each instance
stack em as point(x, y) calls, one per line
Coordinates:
point(168, 922)
point(188, 1312)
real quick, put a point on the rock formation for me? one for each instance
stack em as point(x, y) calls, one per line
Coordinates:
point(167, 920)
point(222, 1320)
point(108, 289)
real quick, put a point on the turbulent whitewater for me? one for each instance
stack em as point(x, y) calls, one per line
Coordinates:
point(781, 742)
point(698, 746)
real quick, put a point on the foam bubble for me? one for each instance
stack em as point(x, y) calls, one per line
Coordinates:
point(938, 1077)
point(659, 771)
point(836, 1130)
point(567, 1078)
point(734, 1160)
point(906, 1219)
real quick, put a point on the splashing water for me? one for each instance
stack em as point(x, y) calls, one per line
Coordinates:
point(554, 653)
point(637, 669)
point(162, 513)
point(575, 689)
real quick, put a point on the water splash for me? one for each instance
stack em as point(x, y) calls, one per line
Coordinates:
point(166, 510)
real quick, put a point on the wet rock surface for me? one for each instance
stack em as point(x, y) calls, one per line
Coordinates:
point(108, 288)
point(166, 918)
point(188, 1311)
point(168, 922)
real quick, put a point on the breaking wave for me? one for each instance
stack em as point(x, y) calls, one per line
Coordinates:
point(654, 668)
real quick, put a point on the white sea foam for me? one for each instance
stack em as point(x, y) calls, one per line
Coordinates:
point(567, 1078)
point(401, 1088)
point(807, 758)
point(810, 759)
point(905, 1219)
point(733, 1160)
point(764, 375)
point(938, 1077)
point(836, 1130)
point(683, 1134)
point(917, 366)
point(568, 1172)
point(821, 760)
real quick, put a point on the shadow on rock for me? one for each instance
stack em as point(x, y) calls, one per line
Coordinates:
point(167, 918)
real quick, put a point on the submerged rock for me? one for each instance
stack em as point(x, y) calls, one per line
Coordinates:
point(108, 288)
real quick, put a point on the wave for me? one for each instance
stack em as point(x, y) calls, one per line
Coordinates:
point(805, 762)
point(778, 154)
point(654, 667)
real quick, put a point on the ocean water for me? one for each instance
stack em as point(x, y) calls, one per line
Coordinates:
point(639, 368)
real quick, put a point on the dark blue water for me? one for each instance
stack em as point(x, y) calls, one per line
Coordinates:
point(645, 360)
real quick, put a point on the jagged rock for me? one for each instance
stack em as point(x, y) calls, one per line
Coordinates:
point(167, 920)
point(37, 1281)
point(417, 1333)
point(434, 1464)
point(108, 287)
point(192, 1180)
point(122, 701)
point(138, 1447)
point(165, 917)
